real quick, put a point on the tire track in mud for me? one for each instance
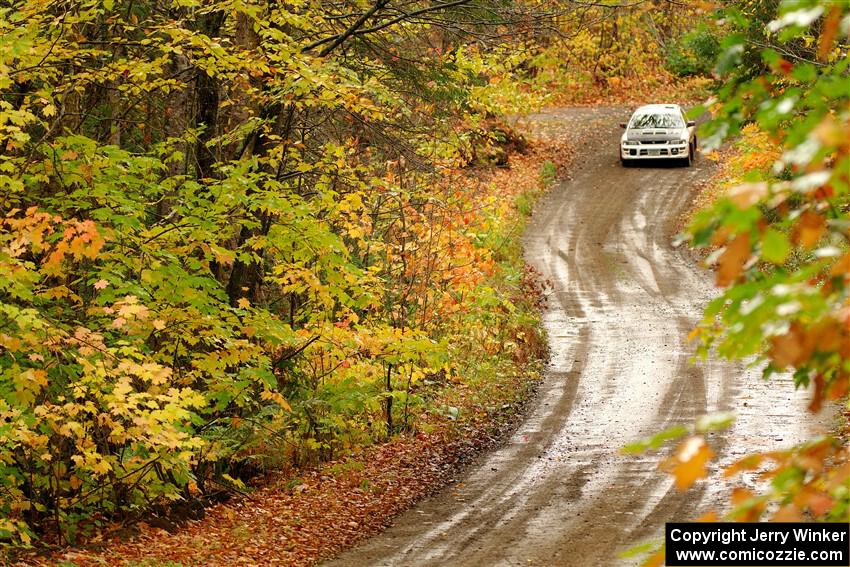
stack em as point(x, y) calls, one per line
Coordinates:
point(622, 303)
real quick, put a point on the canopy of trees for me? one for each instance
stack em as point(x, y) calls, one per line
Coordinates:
point(229, 233)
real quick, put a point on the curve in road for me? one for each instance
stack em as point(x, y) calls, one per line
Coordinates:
point(622, 303)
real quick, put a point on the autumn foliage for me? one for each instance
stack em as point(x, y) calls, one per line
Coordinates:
point(236, 236)
point(773, 226)
point(776, 231)
point(627, 53)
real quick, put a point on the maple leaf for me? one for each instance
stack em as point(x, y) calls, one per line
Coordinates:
point(815, 500)
point(830, 29)
point(748, 463)
point(277, 398)
point(689, 463)
point(809, 229)
point(787, 513)
point(101, 284)
point(731, 261)
point(654, 560)
point(748, 506)
point(748, 194)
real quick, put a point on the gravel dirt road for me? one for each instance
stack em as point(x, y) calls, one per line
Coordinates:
point(622, 303)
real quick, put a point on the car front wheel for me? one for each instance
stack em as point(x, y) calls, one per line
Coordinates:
point(689, 161)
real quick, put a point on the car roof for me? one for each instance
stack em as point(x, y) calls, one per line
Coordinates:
point(658, 108)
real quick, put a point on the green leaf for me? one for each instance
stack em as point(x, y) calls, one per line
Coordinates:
point(656, 441)
point(775, 246)
point(714, 421)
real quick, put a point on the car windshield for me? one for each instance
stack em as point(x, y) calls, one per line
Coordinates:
point(657, 121)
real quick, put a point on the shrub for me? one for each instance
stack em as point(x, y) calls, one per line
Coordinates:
point(693, 53)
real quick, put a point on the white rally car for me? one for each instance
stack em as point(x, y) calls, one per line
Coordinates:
point(658, 131)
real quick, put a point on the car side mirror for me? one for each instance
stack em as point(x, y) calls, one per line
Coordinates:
point(692, 123)
point(623, 124)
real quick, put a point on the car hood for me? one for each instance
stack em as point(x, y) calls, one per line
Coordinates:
point(655, 134)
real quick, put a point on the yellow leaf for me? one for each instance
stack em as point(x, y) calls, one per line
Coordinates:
point(694, 334)
point(277, 398)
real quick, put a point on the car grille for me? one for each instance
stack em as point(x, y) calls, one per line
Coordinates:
point(661, 152)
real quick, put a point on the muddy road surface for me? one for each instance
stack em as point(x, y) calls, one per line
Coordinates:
point(622, 303)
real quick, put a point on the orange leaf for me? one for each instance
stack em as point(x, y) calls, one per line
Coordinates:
point(748, 463)
point(817, 395)
point(654, 560)
point(827, 36)
point(748, 194)
point(788, 513)
point(815, 500)
point(839, 387)
point(741, 496)
point(809, 229)
point(749, 507)
point(86, 172)
point(731, 262)
point(689, 463)
point(792, 348)
point(839, 476)
point(826, 335)
point(708, 517)
point(694, 333)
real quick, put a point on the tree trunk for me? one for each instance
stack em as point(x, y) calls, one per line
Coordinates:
point(389, 404)
point(207, 102)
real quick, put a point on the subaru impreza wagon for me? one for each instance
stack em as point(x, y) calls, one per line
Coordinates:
point(658, 131)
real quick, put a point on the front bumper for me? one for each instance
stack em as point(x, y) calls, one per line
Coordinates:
point(655, 151)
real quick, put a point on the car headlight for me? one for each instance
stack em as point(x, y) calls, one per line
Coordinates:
point(630, 143)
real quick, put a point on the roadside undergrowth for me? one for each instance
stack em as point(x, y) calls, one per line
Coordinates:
point(658, 86)
point(747, 159)
point(648, 52)
point(300, 515)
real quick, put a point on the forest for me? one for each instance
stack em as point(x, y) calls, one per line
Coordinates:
point(250, 237)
